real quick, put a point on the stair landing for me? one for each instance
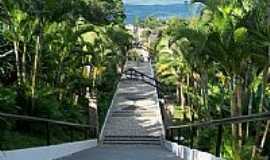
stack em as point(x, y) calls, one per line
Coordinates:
point(123, 152)
point(133, 129)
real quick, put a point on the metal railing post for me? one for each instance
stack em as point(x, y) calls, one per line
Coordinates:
point(95, 132)
point(178, 136)
point(191, 137)
point(85, 133)
point(171, 134)
point(219, 141)
point(71, 134)
point(48, 136)
point(91, 132)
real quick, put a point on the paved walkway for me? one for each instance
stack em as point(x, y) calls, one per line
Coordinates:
point(133, 129)
point(135, 111)
point(122, 152)
point(134, 117)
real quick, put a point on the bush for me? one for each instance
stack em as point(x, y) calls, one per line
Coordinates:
point(8, 100)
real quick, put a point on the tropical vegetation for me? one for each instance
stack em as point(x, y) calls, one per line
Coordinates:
point(218, 64)
point(60, 57)
point(56, 58)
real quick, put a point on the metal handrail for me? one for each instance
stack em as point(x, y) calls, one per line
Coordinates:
point(37, 119)
point(219, 123)
point(143, 74)
point(231, 120)
point(89, 130)
point(157, 84)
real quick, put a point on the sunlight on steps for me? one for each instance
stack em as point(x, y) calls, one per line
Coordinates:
point(134, 117)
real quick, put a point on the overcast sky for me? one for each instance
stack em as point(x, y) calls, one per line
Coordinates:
point(151, 2)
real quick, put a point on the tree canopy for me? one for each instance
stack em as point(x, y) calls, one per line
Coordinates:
point(218, 64)
point(55, 56)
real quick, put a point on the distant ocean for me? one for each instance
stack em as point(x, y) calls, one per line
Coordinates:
point(184, 10)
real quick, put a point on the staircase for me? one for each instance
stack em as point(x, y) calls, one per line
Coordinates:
point(134, 117)
point(133, 128)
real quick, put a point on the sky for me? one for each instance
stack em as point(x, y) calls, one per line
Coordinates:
point(152, 2)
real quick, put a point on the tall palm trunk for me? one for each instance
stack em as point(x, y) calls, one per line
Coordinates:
point(265, 135)
point(17, 58)
point(91, 95)
point(178, 97)
point(233, 104)
point(233, 114)
point(75, 99)
point(187, 91)
point(236, 107)
point(24, 63)
point(247, 96)
point(34, 70)
point(182, 96)
point(265, 76)
point(60, 78)
point(94, 110)
point(250, 103)
point(94, 103)
point(205, 89)
point(238, 112)
point(263, 85)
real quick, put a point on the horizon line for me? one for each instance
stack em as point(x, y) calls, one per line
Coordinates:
point(153, 4)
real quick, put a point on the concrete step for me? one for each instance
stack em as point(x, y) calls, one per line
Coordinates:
point(130, 143)
point(133, 132)
point(135, 110)
point(133, 122)
point(137, 106)
point(134, 114)
point(145, 140)
point(133, 137)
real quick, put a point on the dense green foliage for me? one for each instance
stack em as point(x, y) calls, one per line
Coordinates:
point(56, 55)
point(218, 64)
